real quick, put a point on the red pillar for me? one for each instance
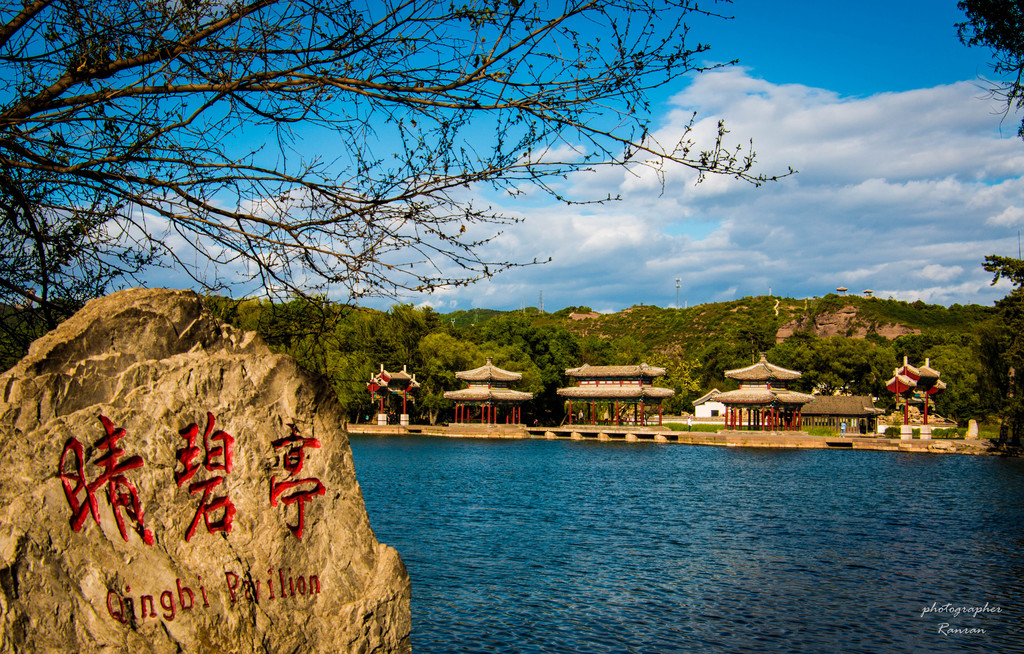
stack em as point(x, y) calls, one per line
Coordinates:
point(570, 412)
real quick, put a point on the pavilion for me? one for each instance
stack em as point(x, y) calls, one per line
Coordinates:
point(621, 387)
point(488, 387)
point(384, 383)
point(763, 401)
point(915, 385)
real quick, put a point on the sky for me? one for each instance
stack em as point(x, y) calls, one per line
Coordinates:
point(908, 175)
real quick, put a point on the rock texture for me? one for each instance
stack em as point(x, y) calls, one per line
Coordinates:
point(844, 322)
point(228, 455)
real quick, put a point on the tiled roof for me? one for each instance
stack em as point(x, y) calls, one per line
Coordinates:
point(642, 370)
point(708, 397)
point(841, 405)
point(900, 383)
point(481, 394)
point(763, 371)
point(488, 371)
point(615, 392)
point(763, 396)
point(747, 396)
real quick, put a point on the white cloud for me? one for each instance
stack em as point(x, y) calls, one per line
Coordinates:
point(893, 189)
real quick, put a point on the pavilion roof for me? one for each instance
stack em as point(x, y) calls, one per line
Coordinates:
point(928, 375)
point(632, 372)
point(488, 371)
point(763, 396)
point(762, 371)
point(841, 405)
point(616, 392)
point(482, 394)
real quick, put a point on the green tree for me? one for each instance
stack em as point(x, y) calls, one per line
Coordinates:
point(683, 377)
point(442, 356)
point(960, 369)
point(837, 365)
point(1009, 342)
point(542, 351)
point(999, 25)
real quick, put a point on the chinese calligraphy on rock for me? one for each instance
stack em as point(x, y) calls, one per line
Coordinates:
point(121, 493)
point(218, 455)
point(203, 465)
point(304, 489)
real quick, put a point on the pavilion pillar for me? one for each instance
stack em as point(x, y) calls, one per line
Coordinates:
point(616, 412)
point(659, 414)
point(643, 417)
point(570, 412)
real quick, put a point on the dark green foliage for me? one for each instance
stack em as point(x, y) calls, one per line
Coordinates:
point(999, 25)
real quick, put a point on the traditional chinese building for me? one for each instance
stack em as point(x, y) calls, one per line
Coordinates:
point(621, 394)
point(706, 406)
point(763, 400)
point(851, 414)
point(385, 383)
point(915, 385)
point(488, 390)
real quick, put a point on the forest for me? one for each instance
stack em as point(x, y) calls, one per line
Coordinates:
point(841, 344)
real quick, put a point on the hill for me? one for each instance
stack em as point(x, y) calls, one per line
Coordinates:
point(761, 320)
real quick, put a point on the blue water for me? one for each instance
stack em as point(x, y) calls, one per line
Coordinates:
point(558, 546)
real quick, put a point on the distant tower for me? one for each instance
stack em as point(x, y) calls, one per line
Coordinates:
point(540, 303)
point(677, 291)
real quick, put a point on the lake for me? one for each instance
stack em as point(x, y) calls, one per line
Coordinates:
point(564, 546)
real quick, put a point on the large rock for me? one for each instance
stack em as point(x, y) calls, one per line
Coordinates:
point(224, 517)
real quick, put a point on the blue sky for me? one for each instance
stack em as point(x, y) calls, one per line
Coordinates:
point(908, 175)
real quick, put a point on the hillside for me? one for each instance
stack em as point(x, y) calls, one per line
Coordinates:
point(761, 320)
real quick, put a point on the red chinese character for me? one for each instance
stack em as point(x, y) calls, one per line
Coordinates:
point(216, 458)
point(294, 458)
point(120, 491)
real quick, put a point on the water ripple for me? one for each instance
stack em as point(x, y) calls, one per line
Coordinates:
point(554, 546)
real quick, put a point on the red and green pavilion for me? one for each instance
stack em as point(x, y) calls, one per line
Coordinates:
point(384, 383)
point(626, 391)
point(763, 400)
point(488, 391)
point(915, 385)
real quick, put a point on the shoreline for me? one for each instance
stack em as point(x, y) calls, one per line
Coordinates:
point(721, 438)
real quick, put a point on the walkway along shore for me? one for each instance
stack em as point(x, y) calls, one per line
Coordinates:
point(723, 438)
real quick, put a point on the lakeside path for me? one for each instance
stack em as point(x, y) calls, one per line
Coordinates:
point(723, 438)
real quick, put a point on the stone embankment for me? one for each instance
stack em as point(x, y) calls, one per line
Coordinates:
point(723, 438)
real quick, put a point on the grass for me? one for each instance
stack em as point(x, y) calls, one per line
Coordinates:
point(681, 426)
